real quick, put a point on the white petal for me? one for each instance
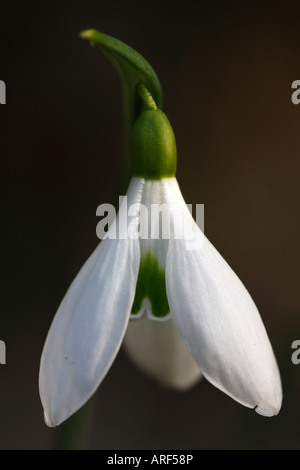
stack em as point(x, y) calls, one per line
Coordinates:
point(89, 326)
point(157, 349)
point(219, 322)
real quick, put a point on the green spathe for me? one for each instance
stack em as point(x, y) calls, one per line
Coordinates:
point(151, 284)
point(132, 68)
point(153, 146)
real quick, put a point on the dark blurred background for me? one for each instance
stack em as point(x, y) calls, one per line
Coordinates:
point(226, 69)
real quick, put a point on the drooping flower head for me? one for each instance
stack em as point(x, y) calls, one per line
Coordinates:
point(184, 309)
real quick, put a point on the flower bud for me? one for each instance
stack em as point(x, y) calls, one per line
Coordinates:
point(153, 146)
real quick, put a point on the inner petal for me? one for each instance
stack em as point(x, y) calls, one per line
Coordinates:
point(151, 294)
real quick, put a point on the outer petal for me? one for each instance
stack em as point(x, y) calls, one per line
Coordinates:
point(157, 349)
point(89, 326)
point(219, 322)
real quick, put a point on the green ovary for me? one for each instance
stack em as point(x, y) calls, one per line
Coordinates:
point(151, 284)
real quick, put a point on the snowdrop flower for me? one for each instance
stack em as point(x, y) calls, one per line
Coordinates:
point(181, 295)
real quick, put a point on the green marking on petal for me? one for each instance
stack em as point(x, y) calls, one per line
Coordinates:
point(151, 284)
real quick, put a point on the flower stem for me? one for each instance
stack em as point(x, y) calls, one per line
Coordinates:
point(74, 433)
point(145, 96)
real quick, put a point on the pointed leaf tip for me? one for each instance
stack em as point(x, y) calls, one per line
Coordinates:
point(87, 34)
point(132, 68)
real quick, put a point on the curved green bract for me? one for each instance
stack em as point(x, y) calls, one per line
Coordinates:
point(132, 68)
point(151, 284)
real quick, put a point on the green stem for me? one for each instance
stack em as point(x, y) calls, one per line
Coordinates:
point(145, 96)
point(74, 433)
point(134, 70)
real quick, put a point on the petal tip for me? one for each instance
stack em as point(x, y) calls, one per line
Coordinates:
point(272, 409)
point(48, 421)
